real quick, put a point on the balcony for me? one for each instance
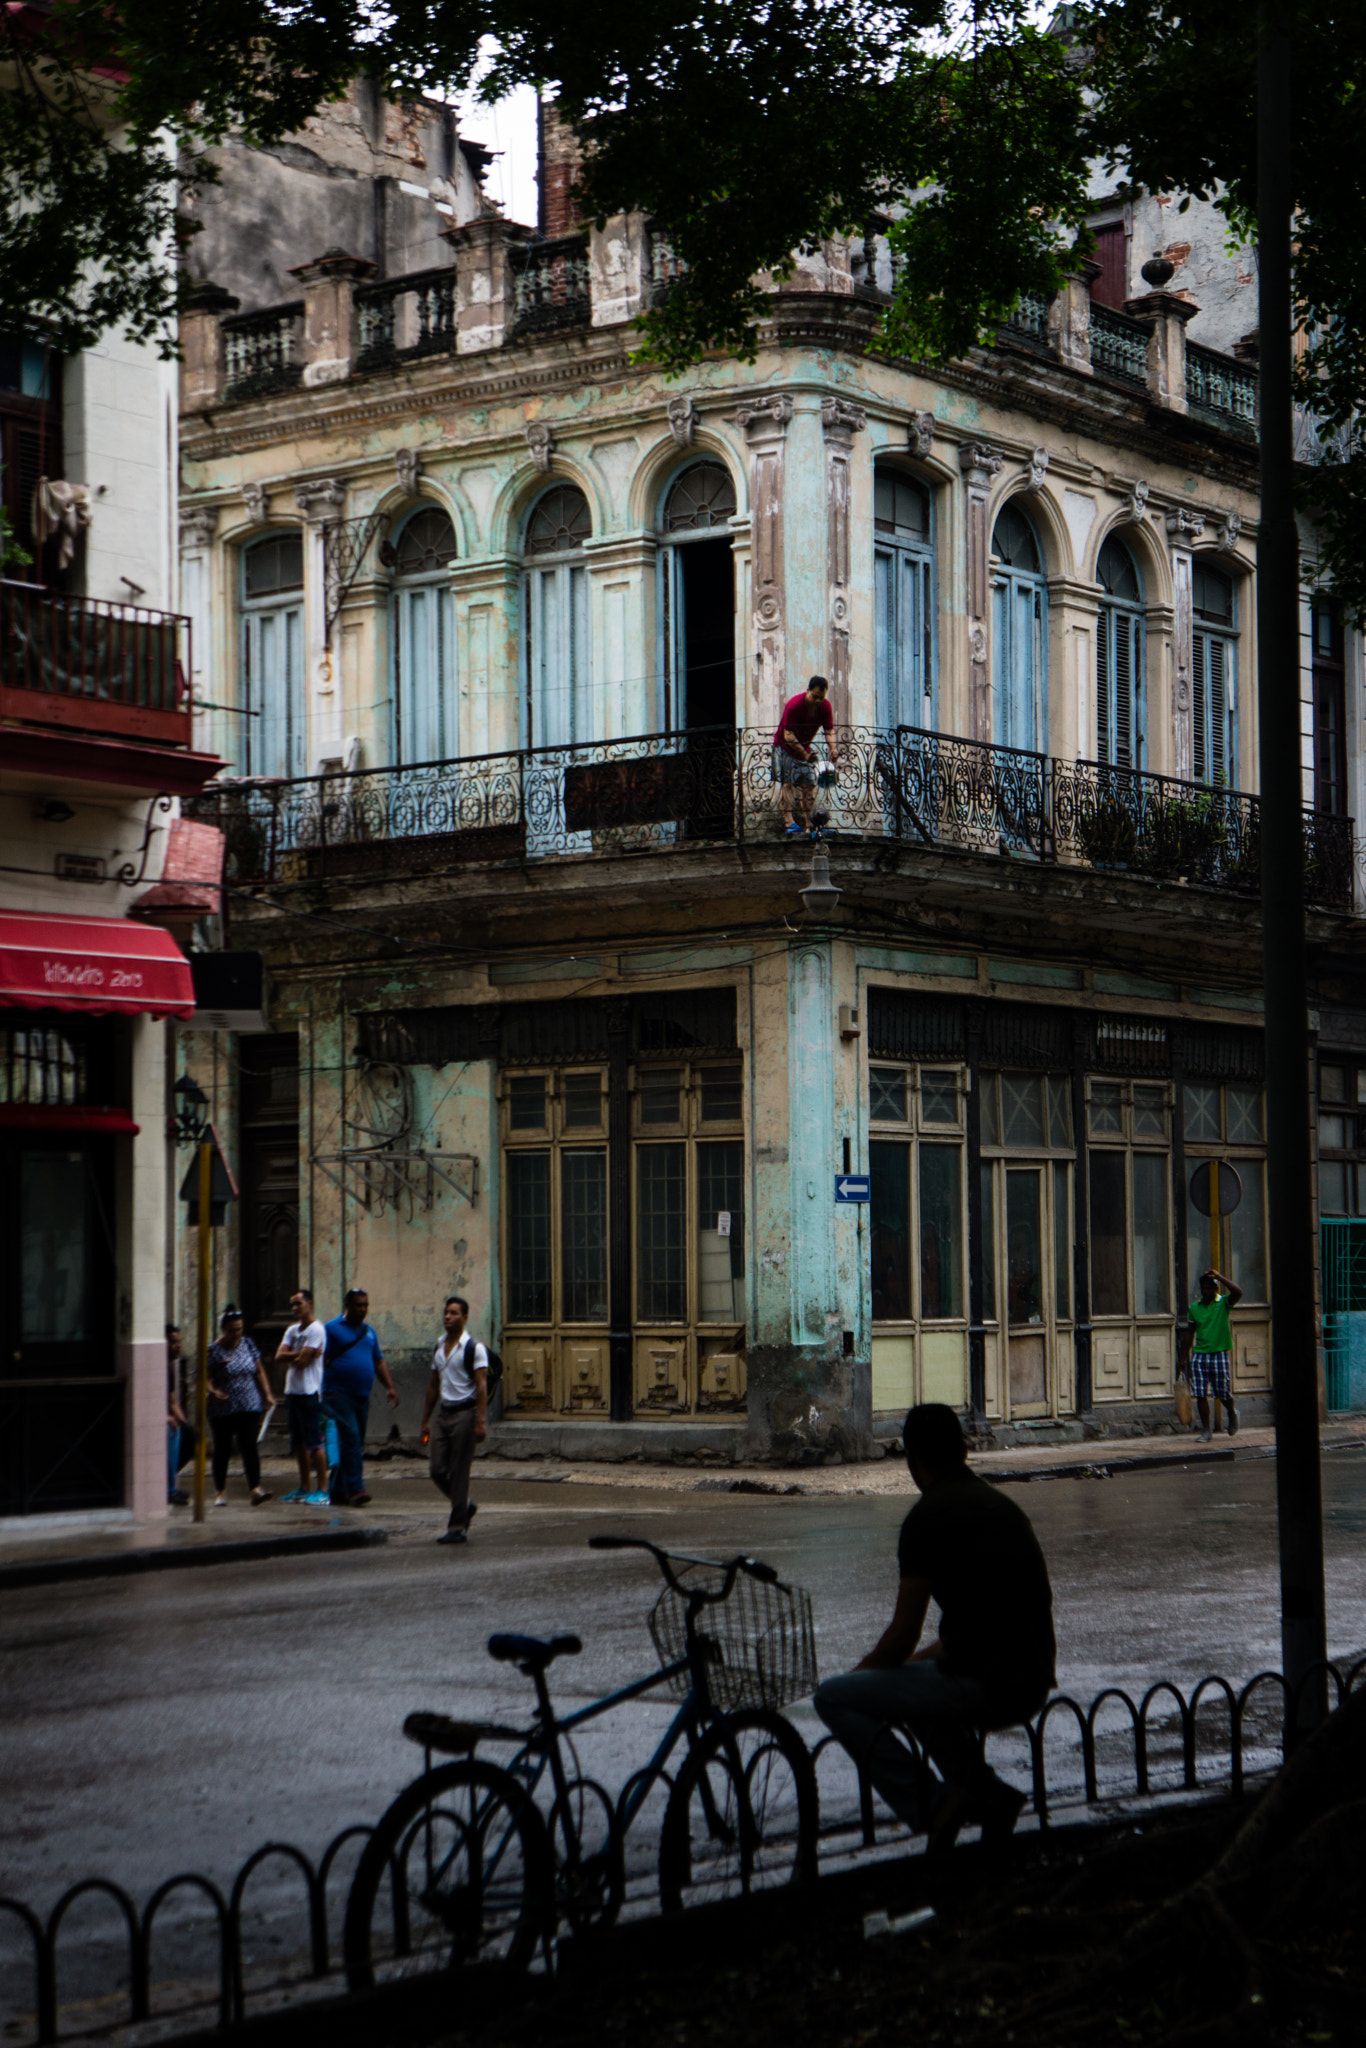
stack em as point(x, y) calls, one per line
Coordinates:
point(662, 790)
point(92, 668)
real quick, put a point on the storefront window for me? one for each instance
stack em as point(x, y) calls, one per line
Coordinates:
point(890, 1230)
point(1109, 1235)
point(529, 1255)
point(1242, 1248)
point(941, 1231)
point(1152, 1261)
point(661, 1244)
point(1024, 1247)
point(988, 1244)
point(1062, 1243)
point(53, 1253)
point(720, 1231)
point(583, 1236)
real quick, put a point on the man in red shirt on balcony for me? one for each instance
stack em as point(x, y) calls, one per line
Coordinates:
point(794, 757)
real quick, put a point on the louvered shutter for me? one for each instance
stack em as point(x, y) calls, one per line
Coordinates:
point(1124, 691)
point(1218, 709)
point(272, 687)
point(1105, 627)
point(424, 659)
point(888, 694)
point(927, 645)
point(1199, 705)
point(560, 668)
point(1001, 658)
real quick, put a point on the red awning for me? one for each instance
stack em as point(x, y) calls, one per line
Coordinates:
point(98, 965)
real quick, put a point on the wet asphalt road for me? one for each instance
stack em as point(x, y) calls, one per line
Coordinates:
point(178, 1719)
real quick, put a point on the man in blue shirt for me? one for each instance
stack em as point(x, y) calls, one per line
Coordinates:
point(351, 1363)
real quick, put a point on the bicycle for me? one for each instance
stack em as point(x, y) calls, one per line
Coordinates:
point(477, 1873)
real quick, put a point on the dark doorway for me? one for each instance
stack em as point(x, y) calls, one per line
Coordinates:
point(1111, 288)
point(707, 634)
point(1330, 712)
point(269, 1122)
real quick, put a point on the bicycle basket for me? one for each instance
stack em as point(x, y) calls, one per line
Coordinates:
point(762, 1641)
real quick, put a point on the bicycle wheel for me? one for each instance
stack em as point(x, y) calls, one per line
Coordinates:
point(590, 1870)
point(743, 1815)
point(458, 1871)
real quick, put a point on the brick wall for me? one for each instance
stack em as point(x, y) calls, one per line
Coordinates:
point(559, 166)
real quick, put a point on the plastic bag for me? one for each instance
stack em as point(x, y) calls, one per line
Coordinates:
point(1185, 1405)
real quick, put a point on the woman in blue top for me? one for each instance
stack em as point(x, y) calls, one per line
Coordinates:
point(238, 1390)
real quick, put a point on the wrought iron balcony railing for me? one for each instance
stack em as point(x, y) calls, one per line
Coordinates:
point(90, 666)
point(1119, 345)
point(407, 316)
point(1221, 384)
point(661, 790)
point(551, 285)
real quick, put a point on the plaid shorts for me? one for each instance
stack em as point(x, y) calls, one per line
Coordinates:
point(1209, 1375)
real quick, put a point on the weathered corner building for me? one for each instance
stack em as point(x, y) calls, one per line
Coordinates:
point(497, 625)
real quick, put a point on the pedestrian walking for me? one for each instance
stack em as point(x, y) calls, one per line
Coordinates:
point(458, 1391)
point(238, 1392)
point(967, 1547)
point(1207, 1348)
point(794, 754)
point(301, 1350)
point(352, 1362)
point(175, 1419)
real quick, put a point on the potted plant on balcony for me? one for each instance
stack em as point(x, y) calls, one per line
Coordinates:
point(1107, 834)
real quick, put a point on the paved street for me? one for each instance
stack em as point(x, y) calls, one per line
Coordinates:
point(181, 1718)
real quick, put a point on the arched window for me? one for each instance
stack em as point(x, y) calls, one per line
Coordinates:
point(1120, 717)
point(425, 697)
point(903, 573)
point(560, 707)
point(1214, 675)
point(275, 740)
point(697, 610)
point(1019, 634)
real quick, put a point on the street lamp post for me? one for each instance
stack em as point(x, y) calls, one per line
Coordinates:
point(192, 1128)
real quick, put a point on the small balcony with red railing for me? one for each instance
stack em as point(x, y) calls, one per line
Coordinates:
point(92, 686)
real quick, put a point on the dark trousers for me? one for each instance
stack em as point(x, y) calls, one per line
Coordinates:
point(350, 1412)
point(239, 1431)
point(451, 1455)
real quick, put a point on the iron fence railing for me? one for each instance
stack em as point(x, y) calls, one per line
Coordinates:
point(84, 661)
point(1213, 1740)
point(263, 352)
point(666, 789)
point(1220, 383)
point(407, 316)
point(1119, 345)
point(1028, 319)
point(551, 284)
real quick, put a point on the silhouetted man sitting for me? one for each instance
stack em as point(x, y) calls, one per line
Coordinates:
point(973, 1551)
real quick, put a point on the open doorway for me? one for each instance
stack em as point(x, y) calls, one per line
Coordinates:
point(700, 641)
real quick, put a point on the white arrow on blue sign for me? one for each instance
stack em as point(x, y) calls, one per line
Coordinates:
point(851, 1187)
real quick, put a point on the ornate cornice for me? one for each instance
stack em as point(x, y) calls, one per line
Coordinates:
point(766, 414)
point(321, 497)
point(841, 419)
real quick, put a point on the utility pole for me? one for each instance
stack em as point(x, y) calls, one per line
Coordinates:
point(1294, 1358)
point(201, 1385)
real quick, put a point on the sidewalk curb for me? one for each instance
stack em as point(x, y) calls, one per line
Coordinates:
point(1084, 1468)
point(55, 1571)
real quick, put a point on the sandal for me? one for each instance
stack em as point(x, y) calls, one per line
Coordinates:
point(258, 1495)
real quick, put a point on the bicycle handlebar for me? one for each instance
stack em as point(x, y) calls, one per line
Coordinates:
point(666, 1561)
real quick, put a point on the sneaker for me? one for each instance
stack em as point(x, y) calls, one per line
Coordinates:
point(221, 1501)
point(177, 1499)
point(259, 1494)
point(359, 1500)
point(470, 1512)
point(1232, 1421)
point(795, 831)
point(317, 1500)
point(453, 1536)
point(1206, 1433)
point(297, 1494)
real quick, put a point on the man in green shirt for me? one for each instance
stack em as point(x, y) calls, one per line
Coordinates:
point(1207, 1346)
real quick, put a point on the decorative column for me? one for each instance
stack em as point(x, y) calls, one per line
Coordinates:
point(331, 330)
point(765, 421)
point(1069, 320)
point(202, 355)
point(979, 465)
point(485, 294)
point(841, 421)
point(322, 500)
point(198, 524)
point(1165, 317)
point(1183, 527)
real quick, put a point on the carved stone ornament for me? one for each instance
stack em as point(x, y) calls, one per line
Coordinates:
point(838, 416)
point(768, 613)
point(772, 409)
point(920, 434)
point(254, 498)
point(321, 497)
point(1138, 502)
point(979, 464)
point(839, 610)
point(198, 524)
point(683, 420)
point(977, 646)
point(540, 439)
point(1038, 470)
point(1230, 528)
point(408, 463)
point(1181, 522)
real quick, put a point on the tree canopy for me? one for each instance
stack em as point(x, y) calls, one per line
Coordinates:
point(745, 128)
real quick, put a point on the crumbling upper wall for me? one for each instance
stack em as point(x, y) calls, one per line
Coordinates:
point(559, 161)
point(377, 177)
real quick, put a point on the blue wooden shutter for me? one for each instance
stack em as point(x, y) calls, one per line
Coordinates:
point(272, 664)
point(426, 699)
point(561, 709)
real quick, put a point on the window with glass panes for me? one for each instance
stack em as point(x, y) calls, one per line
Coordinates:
point(1342, 1136)
point(555, 1181)
point(917, 1193)
point(1227, 1122)
point(1129, 1176)
point(1025, 1118)
point(689, 1195)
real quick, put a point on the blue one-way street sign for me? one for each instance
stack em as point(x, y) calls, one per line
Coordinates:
point(851, 1187)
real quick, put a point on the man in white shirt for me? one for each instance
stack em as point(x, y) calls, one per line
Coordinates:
point(458, 1391)
point(302, 1350)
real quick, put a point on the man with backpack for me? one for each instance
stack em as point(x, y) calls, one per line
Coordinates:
point(458, 1391)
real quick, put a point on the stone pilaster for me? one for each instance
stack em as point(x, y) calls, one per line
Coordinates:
point(1165, 317)
point(331, 331)
point(979, 465)
point(485, 297)
point(202, 353)
point(765, 419)
point(1183, 527)
point(840, 422)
